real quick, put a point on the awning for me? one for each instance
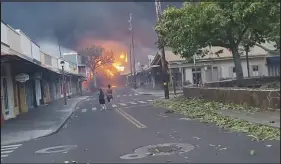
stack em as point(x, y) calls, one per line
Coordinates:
point(273, 60)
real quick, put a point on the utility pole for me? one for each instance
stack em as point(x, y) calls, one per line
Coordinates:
point(63, 76)
point(131, 67)
point(195, 70)
point(132, 51)
point(162, 53)
point(247, 59)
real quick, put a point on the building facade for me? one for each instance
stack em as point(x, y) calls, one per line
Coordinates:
point(216, 68)
point(30, 77)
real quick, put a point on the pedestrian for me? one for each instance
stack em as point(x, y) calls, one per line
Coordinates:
point(102, 100)
point(109, 93)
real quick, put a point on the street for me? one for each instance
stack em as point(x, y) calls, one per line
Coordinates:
point(131, 122)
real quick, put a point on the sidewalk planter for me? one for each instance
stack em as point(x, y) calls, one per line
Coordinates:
point(265, 99)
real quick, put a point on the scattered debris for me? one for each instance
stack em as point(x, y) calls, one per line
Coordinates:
point(252, 152)
point(197, 138)
point(187, 119)
point(223, 148)
point(208, 111)
point(268, 145)
point(169, 111)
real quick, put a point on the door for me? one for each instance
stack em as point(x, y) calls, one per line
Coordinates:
point(30, 97)
point(4, 97)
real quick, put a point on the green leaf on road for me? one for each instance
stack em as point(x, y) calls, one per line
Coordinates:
point(208, 111)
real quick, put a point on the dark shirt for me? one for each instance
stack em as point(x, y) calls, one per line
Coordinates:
point(101, 95)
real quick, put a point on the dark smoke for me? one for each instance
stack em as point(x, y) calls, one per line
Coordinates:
point(73, 21)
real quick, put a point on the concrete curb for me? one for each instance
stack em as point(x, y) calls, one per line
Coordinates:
point(66, 118)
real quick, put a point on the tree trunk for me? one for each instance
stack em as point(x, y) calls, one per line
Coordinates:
point(237, 64)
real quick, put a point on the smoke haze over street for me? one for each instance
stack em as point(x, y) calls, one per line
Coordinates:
point(80, 24)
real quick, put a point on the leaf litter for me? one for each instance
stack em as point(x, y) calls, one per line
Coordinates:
point(207, 111)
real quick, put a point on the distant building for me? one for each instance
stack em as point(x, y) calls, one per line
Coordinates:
point(150, 59)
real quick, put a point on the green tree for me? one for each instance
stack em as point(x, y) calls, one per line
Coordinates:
point(216, 23)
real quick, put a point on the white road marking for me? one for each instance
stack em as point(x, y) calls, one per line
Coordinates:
point(84, 110)
point(149, 100)
point(124, 95)
point(5, 150)
point(142, 102)
point(122, 104)
point(94, 108)
point(11, 146)
point(133, 103)
point(114, 106)
point(130, 95)
point(136, 94)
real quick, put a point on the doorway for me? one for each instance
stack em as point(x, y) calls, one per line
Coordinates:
point(4, 94)
point(196, 75)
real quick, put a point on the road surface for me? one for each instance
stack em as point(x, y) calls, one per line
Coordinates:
point(93, 136)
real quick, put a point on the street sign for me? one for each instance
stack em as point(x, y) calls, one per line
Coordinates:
point(22, 77)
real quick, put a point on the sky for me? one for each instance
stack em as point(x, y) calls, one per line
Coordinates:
point(78, 25)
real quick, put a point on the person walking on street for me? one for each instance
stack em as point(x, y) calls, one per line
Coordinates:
point(102, 100)
point(109, 93)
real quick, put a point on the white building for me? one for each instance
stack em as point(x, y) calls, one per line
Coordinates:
point(215, 68)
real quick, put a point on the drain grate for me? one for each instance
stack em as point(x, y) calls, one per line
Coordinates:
point(165, 149)
point(159, 150)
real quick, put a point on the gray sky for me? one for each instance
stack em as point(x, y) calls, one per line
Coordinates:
point(80, 24)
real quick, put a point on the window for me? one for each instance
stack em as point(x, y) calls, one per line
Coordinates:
point(255, 70)
point(197, 70)
point(3, 72)
point(48, 59)
point(233, 73)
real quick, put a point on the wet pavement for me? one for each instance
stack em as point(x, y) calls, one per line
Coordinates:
point(137, 132)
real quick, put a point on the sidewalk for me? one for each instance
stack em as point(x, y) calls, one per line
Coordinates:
point(269, 118)
point(38, 122)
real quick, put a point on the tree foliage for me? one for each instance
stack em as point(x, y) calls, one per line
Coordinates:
point(97, 56)
point(216, 23)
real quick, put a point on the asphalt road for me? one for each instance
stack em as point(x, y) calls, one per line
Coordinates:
point(98, 136)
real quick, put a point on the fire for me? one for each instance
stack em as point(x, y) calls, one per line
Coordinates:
point(122, 56)
point(120, 63)
point(110, 72)
point(118, 67)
